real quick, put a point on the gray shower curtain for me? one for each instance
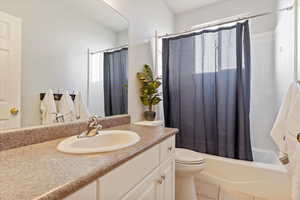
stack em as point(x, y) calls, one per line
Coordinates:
point(206, 89)
point(116, 82)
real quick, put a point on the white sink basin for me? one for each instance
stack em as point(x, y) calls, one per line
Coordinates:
point(106, 141)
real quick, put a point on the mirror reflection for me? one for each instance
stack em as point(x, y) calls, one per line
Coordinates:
point(61, 61)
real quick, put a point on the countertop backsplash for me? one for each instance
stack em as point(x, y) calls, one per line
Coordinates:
point(27, 136)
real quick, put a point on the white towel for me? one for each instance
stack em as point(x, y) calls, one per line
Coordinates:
point(48, 108)
point(80, 108)
point(293, 117)
point(66, 108)
point(293, 147)
point(294, 166)
point(296, 175)
point(284, 133)
point(279, 129)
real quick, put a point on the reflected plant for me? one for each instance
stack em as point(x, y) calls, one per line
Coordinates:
point(149, 91)
point(125, 86)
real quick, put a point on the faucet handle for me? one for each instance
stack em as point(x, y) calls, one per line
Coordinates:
point(93, 128)
point(94, 124)
point(98, 127)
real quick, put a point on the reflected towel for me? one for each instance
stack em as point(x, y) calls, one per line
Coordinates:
point(81, 110)
point(66, 108)
point(48, 108)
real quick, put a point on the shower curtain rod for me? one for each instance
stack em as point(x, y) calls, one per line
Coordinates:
point(208, 25)
point(111, 49)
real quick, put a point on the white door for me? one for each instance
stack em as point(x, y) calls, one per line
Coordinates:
point(149, 189)
point(10, 71)
point(168, 176)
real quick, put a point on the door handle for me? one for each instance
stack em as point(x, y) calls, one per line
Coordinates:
point(14, 111)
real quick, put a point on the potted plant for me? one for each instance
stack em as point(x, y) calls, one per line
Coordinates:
point(149, 91)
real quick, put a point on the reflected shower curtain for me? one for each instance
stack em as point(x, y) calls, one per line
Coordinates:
point(206, 87)
point(116, 82)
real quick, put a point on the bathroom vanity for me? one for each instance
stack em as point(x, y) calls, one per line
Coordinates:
point(150, 175)
point(37, 170)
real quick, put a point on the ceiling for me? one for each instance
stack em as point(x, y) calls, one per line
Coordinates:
point(179, 6)
point(100, 12)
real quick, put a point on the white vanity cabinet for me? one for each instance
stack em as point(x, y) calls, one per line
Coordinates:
point(149, 189)
point(159, 185)
point(148, 176)
point(168, 176)
point(89, 192)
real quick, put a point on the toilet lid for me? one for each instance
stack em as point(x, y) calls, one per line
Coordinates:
point(186, 156)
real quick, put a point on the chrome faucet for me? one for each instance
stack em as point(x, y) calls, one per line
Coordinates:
point(93, 128)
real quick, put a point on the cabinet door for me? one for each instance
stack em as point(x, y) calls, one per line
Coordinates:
point(149, 189)
point(167, 149)
point(168, 176)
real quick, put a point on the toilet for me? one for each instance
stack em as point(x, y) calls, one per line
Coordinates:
point(187, 164)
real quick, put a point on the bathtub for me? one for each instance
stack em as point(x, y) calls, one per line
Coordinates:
point(265, 156)
point(258, 181)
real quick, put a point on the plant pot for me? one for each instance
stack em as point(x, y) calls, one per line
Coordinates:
point(149, 115)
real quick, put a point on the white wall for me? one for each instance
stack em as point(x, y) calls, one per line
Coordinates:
point(227, 9)
point(284, 50)
point(122, 37)
point(144, 18)
point(54, 53)
point(264, 105)
point(297, 48)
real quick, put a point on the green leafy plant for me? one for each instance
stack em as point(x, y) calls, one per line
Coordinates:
point(149, 91)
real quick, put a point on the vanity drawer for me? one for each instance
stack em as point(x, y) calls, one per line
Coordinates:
point(167, 149)
point(117, 183)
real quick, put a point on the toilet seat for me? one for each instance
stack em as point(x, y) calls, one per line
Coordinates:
point(188, 157)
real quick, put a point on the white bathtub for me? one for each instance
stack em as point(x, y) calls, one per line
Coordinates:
point(252, 179)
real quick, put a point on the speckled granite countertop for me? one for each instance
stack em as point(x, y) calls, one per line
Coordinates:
point(39, 171)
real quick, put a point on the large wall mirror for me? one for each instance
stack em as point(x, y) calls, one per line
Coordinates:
point(61, 61)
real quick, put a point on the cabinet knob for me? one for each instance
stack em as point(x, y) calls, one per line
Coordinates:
point(170, 148)
point(163, 177)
